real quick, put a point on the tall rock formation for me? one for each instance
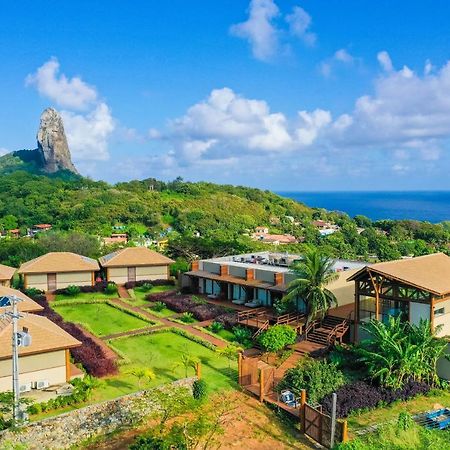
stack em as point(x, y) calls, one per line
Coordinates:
point(52, 143)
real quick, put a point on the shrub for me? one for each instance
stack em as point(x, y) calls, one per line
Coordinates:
point(111, 288)
point(200, 389)
point(158, 306)
point(146, 287)
point(228, 320)
point(33, 292)
point(187, 317)
point(277, 337)
point(199, 300)
point(318, 378)
point(361, 395)
point(242, 335)
point(215, 327)
point(140, 283)
point(72, 290)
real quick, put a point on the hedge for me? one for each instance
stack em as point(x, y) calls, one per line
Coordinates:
point(362, 395)
point(134, 284)
point(98, 287)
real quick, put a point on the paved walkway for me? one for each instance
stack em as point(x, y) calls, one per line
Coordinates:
point(123, 292)
point(50, 296)
point(165, 323)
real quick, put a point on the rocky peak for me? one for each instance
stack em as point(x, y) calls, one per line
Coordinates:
point(52, 143)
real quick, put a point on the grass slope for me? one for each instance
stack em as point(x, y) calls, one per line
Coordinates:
point(100, 318)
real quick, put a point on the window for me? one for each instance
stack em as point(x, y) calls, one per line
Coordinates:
point(439, 312)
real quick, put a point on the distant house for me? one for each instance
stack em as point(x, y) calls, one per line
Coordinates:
point(15, 233)
point(320, 224)
point(39, 228)
point(6, 274)
point(262, 234)
point(116, 238)
point(57, 270)
point(46, 361)
point(261, 230)
point(135, 264)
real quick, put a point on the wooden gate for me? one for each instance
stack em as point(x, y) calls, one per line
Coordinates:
point(318, 426)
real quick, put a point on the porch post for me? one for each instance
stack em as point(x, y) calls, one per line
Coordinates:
point(261, 385)
point(356, 316)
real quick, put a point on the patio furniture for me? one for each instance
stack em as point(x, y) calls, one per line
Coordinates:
point(438, 419)
point(213, 296)
point(253, 304)
point(238, 302)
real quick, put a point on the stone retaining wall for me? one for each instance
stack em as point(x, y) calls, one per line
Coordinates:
point(68, 429)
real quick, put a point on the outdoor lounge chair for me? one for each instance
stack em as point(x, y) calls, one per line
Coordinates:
point(253, 304)
point(238, 302)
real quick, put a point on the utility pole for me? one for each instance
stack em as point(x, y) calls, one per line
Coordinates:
point(19, 339)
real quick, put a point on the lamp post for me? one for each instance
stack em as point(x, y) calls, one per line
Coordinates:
point(19, 339)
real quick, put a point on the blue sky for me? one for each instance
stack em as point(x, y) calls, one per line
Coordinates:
point(284, 95)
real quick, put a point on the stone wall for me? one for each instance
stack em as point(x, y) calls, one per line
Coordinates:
point(73, 427)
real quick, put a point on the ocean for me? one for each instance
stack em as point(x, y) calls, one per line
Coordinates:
point(431, 206)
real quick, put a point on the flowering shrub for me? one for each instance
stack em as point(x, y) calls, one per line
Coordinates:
point(90, 354)
point(359, 395)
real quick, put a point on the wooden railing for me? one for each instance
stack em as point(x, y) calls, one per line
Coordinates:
point(264, 326)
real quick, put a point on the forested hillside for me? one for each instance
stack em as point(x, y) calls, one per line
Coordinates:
point(199, 219)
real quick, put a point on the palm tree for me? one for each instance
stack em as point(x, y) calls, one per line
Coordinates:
point(313, 274)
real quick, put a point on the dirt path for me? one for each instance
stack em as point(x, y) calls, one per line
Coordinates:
point(123, 292)
point(167, 323)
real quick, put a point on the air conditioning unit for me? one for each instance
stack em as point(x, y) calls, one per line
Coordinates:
point(42, 384)
point(25, 387)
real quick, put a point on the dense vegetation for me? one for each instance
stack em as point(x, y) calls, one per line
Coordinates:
point(199, 219)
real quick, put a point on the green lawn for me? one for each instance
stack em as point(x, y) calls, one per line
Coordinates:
point(226, 334)
point(82, 296)
point(166, 312)
point(140, 294)
point(100, 318)
point(161, 352)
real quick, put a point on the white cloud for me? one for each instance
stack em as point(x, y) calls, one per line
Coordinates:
point(299, 23)
point(259, 29)
point(340, 57)
point(87, 119)
point(71, 93)
point(385, 61)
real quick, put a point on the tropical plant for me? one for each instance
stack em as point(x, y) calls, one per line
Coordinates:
point(146, 287)
point(318, 378)
point(398, 351)
point(187, 361)
point(143, 374)
point(187, 317)
point(276, 338)
point(312, 275)
point(158, 306)
point(230, 352)
point(242, 335)
point(215, 327)
point(111, 288)
point(72, 290)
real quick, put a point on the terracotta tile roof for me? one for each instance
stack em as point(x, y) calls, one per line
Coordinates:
point(55, 262)
point(6, 272)
point(430, 273)
point(134, 256)
point(46, 336)
point(27, 305)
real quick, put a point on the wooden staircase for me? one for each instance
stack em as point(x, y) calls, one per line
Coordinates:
point(327, 331)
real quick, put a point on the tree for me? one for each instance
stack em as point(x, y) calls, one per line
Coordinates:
point(276, 338)
point(399, 351)
point(230, 352)
point(313, 274)
point(187, 361)
point(143, 374)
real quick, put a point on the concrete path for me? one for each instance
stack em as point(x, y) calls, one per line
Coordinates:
point(123, 292)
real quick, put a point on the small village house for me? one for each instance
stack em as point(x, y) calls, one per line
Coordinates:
point(116, 238)
point(46, 362)
point(135, 264)
point(6, 274)
point(57, 270)
point(39, 228)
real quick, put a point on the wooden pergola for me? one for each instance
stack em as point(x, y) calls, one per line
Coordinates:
point(422, 280)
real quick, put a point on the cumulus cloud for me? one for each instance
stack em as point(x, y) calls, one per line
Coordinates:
point(87, 134)
point(266, 34)
point(88, 120)
point(259, 29)
point(340, 57)
point(385, 61)
point(71, 93)
point(299, 23)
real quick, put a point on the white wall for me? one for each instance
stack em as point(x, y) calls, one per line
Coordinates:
point(443, 367)
point(44, 366)
point(152, 273)
point(118, 274)
point(64, 279)
point(443, 319)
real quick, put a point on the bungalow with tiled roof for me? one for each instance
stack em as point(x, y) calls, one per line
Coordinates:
point(26, 305)
point(57, 270)
point(45, 362)
point(6, 274)
point(135, 264)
